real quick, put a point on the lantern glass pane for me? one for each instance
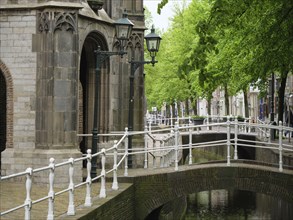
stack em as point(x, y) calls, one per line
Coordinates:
point(122, 31)
point(152, 44)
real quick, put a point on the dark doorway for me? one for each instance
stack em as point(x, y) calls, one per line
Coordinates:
point(87, 89)
point(3, 102)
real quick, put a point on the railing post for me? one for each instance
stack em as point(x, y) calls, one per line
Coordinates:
point(208, 128)
point(218, 121)
point(103, 175)
point(270, 138)
point(176, 146)
point(51, 193)
point(28, 200)
point(190, 142)
point(245, 126)
point(162, 152)
point(228, 140)
point(115, 181)
point(150, 126)
point(126, 153)
point(280, 146)
point(71, 208)
point(88, 197)
point(154, 152)
point(236, 139)
point(145, 147)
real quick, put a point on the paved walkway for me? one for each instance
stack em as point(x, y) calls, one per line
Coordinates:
point(13, 194)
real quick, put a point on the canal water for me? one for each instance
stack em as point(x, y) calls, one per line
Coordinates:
point(234, 205)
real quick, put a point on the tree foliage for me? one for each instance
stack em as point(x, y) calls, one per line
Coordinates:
point(227, 43)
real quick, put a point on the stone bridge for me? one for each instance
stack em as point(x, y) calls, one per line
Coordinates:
point(152, 189)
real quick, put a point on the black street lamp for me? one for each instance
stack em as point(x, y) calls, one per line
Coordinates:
point(272, 115)
point(153, 43)
point(123, 28)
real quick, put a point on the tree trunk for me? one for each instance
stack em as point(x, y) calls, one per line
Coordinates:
point(194, 105)
point(281, 95)
point(227, 104)
point(246, 110)
point(186, 107)
point(209, 106)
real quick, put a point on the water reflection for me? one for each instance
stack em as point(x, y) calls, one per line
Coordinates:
point(236, 204)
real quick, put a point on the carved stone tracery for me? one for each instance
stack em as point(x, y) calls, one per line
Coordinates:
point(65, 21)
point(44, 22)
point(52, 21)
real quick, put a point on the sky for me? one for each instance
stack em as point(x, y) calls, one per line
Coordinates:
point(162, 21)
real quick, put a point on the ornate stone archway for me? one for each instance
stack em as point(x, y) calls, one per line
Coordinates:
point(87, 87)
point(9, 104)
point(6, 111)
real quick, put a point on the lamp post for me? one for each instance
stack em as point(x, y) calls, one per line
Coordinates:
point(272, 115)
point(290, 96)
point(153, 44)
point(123, 28)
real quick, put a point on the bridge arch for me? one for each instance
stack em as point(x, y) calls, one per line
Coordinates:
point(151, 192)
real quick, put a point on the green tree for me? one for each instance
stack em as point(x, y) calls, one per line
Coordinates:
point(233, 44)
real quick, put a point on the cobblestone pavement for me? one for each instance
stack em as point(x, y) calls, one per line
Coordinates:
point(13, 194)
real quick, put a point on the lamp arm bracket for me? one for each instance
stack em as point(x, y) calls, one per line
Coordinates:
point(136, 64)
point(101, 56)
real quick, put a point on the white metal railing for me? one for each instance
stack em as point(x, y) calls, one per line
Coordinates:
point(161, 146)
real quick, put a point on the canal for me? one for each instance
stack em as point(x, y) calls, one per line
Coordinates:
point(236, 204)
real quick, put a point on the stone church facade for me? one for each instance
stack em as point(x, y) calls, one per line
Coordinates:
point(47, 72)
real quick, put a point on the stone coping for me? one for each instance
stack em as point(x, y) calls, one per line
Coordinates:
point(42, 5)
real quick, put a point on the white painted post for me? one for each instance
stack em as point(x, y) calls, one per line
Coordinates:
point(236, 140)
point(218, 121)
point(190, 142)
point(153, 153)
point(150, 126)
point(103, 175)
point(145, 147)
point(51, 193)
point(228, 140)
point(126, 153)
point(208, 128)
point(260, 130)
point(171, 118)
point(28, 200)
point(176, 146)
point(71, 208)
point(88, 197)
point(115, 181)
point(280, 146)
point(270, 132)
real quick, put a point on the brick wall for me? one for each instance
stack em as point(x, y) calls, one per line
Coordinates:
point(153, 191)
point(150, 192)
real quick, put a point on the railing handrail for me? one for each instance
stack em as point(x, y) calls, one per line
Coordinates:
point(167, 148)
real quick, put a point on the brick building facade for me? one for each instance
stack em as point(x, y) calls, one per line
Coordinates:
point(47, 66)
